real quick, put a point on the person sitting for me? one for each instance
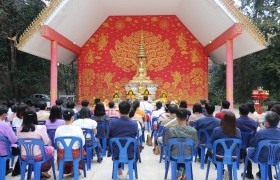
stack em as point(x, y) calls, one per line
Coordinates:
point(184, 104)
point(252, 111)
point(181, 130)
point(99, 113)
point(145, 105)
point(271, 133)
point(170, 120)
point(84, 120)
point(166, 112)
point(55, 120)
point(276, 108)
point(123, 127)
point(10, 104)
point(197, 113)
point(112, 112)
point(68, 129)
point(203, 103)
point(85, 103)
point(71, 105)
point(13, 113)
point(158, 111)
point(135, 117)
point(43, 114)
point(7, 131)
point(59, 103)
point(30, 129)
point(224, 108)
point(136, 106)
point(17, 121)
point(244, 123)
point(270, 104)
point(209, 123)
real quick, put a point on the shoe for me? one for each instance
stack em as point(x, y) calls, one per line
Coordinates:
point(248, 176)
point(9, 171)
point(15, 173)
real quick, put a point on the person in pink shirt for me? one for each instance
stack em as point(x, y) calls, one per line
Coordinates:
point(30, 129)
point(55, 119)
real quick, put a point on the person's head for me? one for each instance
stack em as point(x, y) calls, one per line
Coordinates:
point(166, 107)
point(29, 120)
point(197, 108)
point(111, 104)
point(42, 105)
point(251, 106)
point(210, 108)
point(158, 105)
point(271, 103)
point(3, 112)
point(29, 103)
point(99, 109)
point(183, 104)
point(136, 104)
point(124, 108)
point(14, 108)
point(228, 124)
point(272, 119)
point(20, 110)
point(97, 100)
point(203, 102)
point(243, 110)
point(84, 113)
point(55, 113)
point(59, 102)
point(85, 103)
point(146, 98)
point(225, 104)
point(132, 112)
point(181, 114)
point(70, 105)
point(68, 115)
point(276, 108)
point(10, 103)
point(172, 108)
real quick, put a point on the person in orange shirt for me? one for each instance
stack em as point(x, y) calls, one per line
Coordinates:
point(136, 105)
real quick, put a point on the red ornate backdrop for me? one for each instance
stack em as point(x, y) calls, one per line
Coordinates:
point(175, 58)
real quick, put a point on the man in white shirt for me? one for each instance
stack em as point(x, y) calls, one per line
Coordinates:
point(145, 105)
point(84, 121)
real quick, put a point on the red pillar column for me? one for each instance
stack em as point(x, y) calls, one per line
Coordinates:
point(53, 83)
point(229, 72)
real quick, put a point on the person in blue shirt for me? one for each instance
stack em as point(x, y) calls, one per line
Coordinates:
point(244, 123)
point(271, 133)
point(123, 127)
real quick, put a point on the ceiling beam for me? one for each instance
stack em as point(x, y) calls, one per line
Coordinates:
point(229, 34)
point(52, 35)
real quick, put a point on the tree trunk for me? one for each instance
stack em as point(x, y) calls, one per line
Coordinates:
point(11, 69)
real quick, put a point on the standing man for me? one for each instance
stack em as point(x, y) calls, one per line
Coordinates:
point(145, 105)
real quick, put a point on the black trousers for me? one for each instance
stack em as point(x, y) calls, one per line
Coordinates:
point(15, 152)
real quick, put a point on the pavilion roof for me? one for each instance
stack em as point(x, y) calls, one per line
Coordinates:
point(77, 20)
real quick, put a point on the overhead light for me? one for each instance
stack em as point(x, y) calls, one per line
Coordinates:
point(210, 42)
point(57, 64)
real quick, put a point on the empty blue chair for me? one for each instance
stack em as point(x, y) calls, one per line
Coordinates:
point(102, 130)
point(90, 146)
point(203, 145)
point(230, 146)
point(163, 148)
point(3, 160)
point(272, 148)
point(68, 155)
point(41, 122)
point(123, 157)
point(181, 145)
point(28, 145)
point(51, 133)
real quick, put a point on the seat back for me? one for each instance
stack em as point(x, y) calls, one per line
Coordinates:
point(68, 155)
point(7, 145)
point(122, 144)
point(181, 145)
point(246, 138)
point(204, 133)
point(155, 119)
point(51, 133)
point(102, 130)
point(148, 112)
point(229, 145)
point(164, 131)
point(41, 122)
point(29, 144)
point(89, 132)
point(271, 149)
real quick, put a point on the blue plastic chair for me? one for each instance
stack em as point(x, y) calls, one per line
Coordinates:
point(181, 145)
point(154, 131)
point(148, 122)
point(271, 147)
point(68, 155)
point(163, 148)
point(89, 148)
point(203, 133)
point(102, 130)
point(5, 158)
point(28, 144)
point(246, 139)
point(123, 157)
point(51, 133)
point(229, 158)
point(41, 122)
point(139, 145)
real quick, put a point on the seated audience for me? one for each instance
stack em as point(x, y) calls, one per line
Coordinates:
point(269, 106)
point(224, 107)
point(271, 133)
point(170, 120)
point(158, 111)
point(123, 127)
point(244, 123)
point(30, 129)
point(7, 131)
point(112, 112)
point(252, 111)
point(145, 105)
point(71, 105)
point(203, 103)
point(184, 104)
point(59, 103)
point(85, 103)
point(17, 121)
point(10, 104)
point(197, 113)
point(84, 120)
point(99, 113)
point(55, 120)
point(182, 130)
point(139, 123)
point(136, 106)
point(13, 113)
point(43, 114)
point(166, 112)
point(70, 130)
point(276, 108)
